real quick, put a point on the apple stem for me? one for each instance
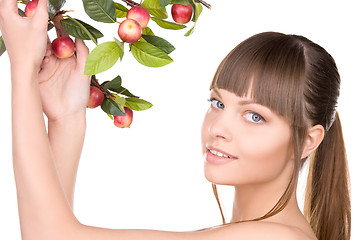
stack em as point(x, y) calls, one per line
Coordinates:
point(131, 3)
point(95, 83)
point(60, 31)
point(205, 4)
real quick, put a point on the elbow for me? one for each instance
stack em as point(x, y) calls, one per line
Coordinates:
point(62, 231)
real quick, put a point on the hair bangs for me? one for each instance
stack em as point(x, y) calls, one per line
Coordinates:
point(269, 70)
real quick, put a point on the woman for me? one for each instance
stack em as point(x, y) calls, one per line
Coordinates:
point(272, 105)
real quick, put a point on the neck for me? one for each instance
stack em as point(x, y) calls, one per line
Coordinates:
point(254, 202)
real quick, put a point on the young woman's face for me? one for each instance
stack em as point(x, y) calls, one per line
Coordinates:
point(244, 142)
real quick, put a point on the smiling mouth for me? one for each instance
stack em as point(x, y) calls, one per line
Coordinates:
point(219, 154)
point(217, 157)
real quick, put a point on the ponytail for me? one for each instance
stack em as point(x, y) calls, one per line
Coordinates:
point(327, 200)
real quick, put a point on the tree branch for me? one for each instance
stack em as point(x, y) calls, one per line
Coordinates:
point(95, 83)
point(205, 4)
point(131, 3)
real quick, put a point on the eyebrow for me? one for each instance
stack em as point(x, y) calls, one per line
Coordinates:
point(241, 102)
point(247, 102)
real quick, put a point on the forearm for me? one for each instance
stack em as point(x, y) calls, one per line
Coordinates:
point(38, 186)
point(66, 138)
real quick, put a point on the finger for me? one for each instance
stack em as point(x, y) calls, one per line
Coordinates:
point(48, 46)
point(45, 60)
point(41, 11)
point(48, 53)
point(82, 52)
point(8, 6)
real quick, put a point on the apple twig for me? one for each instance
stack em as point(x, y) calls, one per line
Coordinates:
point(131, 3)
point(205, 4)
point(95, 83)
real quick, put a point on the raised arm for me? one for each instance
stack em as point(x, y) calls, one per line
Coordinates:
point(37, 182)
point(64, 92)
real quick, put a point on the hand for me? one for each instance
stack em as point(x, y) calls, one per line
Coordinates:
point(64, 89)
point(25, 38)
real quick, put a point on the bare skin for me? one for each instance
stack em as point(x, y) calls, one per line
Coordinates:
point(45, 178)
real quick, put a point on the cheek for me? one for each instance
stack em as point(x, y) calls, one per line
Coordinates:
point(205, 130)
point(263, 155)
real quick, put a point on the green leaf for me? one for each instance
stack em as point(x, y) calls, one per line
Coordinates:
point(101, 58)
point(57, 4)
point(121, 48)
point(110, 116)
point(159, 43)
point(21, 12)
point(164, 3)
point(149, 55)
point(54, 6)
point(120, 102)
point(188, 33)
point(100, 10)
point(154, 8)
point(50, 26)
point(147, 31)
point(2, 46)
point(80, 30)
point(182, 2)
point(198, 10)
point(167, 25)
point(125, 92)
point(121, 11)
point(111, 107)
point(137, 104)
point(114, 85)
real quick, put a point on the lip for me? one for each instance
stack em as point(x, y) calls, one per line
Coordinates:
point(212, 158)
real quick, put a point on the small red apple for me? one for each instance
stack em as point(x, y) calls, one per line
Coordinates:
point(130, 31)
point(96, 97)
point(63, 47)
point(139, 14)
point(181, 14)
point(30, 8)
point(124, 121)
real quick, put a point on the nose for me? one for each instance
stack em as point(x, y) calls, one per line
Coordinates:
point(220, 127)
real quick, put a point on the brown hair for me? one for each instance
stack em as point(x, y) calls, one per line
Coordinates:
point(298, 79)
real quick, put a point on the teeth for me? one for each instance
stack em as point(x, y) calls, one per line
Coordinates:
point(219, 154)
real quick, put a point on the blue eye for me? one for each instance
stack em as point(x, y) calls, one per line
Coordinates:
point(253, 117)
point(216, 103)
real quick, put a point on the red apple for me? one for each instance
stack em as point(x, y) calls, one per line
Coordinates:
point(130, 31)
point(124, 121)
point(139, 14)
point(96, 97)
point(30, 8)
point(63, 47)
point(181, 14)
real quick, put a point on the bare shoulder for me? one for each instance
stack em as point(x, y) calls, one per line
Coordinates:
point(258, 230)
point(238, 231)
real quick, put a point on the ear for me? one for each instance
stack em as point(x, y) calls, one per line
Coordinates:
point(313, 139)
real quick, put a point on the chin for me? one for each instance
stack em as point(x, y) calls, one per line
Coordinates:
point(219, 174)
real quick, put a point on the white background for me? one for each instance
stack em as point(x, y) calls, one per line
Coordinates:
point(151, 176)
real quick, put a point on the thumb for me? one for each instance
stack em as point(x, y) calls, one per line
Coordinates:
point(8, 9)
point(82, 52)
point(8, 6)
point(41, 10)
